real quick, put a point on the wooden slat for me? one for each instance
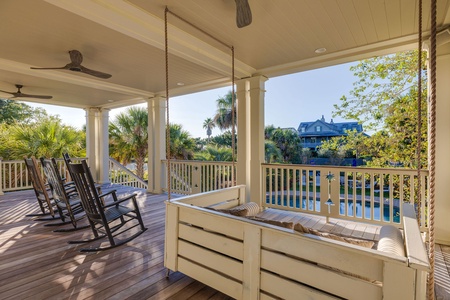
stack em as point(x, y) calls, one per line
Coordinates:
point(331, 281)
point(212, 241)
point(286, 289)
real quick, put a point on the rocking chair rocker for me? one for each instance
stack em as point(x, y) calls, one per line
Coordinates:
point(106, 220)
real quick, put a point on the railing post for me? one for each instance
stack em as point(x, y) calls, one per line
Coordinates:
point(1, 178)
point(196, 178)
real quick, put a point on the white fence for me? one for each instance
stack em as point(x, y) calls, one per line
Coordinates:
point(119, 174)
point(359, 194)
point(192, 177)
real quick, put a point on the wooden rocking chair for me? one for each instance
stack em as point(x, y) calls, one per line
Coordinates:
point(43, 193)
point(106, 219)
point(66, 199)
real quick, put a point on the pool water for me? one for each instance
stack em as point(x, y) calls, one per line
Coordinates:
point(351, 208)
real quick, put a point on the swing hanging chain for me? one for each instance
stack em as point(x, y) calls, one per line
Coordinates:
point(166, 47)
point(432, 150)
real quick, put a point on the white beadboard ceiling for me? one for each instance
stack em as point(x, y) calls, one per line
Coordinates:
point(126, 39)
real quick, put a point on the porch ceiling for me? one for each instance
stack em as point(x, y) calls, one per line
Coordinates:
point(126, 39)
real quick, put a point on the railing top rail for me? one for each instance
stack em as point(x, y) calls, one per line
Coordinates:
point(203, 162)
point(345, 168)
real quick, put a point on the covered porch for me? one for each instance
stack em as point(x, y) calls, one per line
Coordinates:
point(125, 38)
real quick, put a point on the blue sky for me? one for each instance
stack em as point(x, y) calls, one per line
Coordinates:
point(289, 100)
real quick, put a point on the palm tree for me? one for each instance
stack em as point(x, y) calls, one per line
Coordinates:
point(182, 145)
point(223, 117)
point(272, 153)
point(128, 138)
point(215, 153)
point(48, 138)
point(209, 124)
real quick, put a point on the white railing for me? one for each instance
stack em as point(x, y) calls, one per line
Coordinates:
point(359, 194)
point(192, 177)
point(14, 174)
point(119, 174)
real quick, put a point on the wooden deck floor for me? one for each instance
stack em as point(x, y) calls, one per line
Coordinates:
point(36, 263)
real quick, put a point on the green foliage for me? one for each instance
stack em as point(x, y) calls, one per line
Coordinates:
point(380, 81)
point(223, 117)
point(48, 138)
point(214, 153)
point(385, 98)
point(287, 141)
point(222, 140)
point(18, 112)
point(182, 145)
point(128, 137)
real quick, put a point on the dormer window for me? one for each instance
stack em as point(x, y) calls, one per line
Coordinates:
point(302, 129)
point(318, 128)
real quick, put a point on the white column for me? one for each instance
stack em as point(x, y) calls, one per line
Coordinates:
point(103, 143)
point(442, 202)
point(156, 143)
point(256, 135)
point(91, 129)
point(242, 165)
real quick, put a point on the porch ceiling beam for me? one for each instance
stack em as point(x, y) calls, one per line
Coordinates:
point(120, 16)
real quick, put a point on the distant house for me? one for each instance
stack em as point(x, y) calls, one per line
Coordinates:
point(312, 134)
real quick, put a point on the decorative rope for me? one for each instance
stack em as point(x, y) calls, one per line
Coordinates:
point(432, 147)
point(419, 119)
point(166, 48)
point(233, 133)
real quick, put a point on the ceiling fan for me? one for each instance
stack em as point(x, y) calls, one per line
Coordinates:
point(19, 94)
point(243, 13)
point(75, 65)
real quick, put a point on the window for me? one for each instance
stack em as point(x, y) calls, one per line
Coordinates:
point(302, 129)
point(318, 128)
point(313, 140)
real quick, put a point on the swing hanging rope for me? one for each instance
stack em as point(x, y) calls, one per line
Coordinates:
point(233, 98)
point(432, 150)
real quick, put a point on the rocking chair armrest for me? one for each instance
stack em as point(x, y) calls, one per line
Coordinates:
point(107, 193)
point(132, 197)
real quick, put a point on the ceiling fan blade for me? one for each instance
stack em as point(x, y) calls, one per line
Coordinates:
point(17, 95)
point(6, 92)
point(48, 68)
point(95, 73)
point(243, 13)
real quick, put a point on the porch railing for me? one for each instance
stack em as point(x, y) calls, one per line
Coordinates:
point(359, 194)
point(14, 175)
point(119, 174)
point(192, 177)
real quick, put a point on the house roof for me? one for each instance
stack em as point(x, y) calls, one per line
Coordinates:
point(126, 39)
point(327, 129)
